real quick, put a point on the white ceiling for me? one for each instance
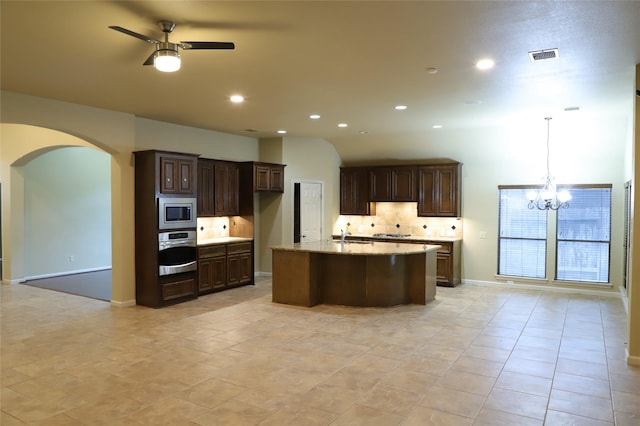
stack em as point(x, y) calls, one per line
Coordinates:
point(350, 62)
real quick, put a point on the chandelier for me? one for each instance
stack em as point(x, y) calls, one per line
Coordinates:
point(547, 197)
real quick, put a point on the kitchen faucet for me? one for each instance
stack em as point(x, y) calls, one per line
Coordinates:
point(343, 235)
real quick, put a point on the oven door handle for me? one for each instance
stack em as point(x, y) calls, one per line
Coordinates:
point(176, 269)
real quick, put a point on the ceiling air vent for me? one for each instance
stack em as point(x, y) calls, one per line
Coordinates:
point(539, 55)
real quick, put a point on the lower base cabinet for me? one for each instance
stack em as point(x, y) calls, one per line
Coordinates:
point(177, 288)
point(222, 266)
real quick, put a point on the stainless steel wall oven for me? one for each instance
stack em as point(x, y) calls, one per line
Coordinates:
point(177, 252)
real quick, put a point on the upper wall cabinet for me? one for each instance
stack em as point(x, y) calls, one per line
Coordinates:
point(354, 191)
point(395, 183)
point(268, 177)
point(439, 189)
point(218, 188)
point(227, 187)
point(434, 184)
point(177, 174)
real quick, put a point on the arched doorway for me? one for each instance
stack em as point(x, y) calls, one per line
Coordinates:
point(67, 216)
point(22, 143)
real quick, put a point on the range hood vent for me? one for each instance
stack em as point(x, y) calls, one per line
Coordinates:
point(540, 55)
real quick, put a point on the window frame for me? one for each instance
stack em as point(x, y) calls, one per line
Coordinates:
point(608, 242)
point(552, 239)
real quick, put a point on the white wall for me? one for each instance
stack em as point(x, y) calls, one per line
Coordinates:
point(67, 212)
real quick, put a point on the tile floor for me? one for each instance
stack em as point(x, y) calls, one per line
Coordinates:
point(476, 356)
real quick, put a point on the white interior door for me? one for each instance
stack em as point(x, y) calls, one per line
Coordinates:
point(310, 211)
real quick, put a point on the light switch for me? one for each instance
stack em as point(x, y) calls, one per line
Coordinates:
point(483, 235)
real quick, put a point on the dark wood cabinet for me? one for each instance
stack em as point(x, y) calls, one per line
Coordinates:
point(395, 183)
point(239, 263)
point(226, 188)
point(206, 188)
point(439, 190)
point(218, 188)
point(212, 268)
point(159, 174)
point(448, 263)
point(268, 177)
point(354, 191)
point(380, 181)
point(177, 175)
point(222, 266)
point(448, 258)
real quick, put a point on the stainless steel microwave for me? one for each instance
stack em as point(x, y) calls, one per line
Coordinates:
point(176, 213)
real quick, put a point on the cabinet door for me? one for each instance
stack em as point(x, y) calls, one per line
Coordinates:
point(380, 180)
point(276, 179)
point(262, 178)
point(443, 269)
point(448, 193)
point(403, 184)
point(354, 191)
point(168, 173)
point(206, 189)
point(226, 189)
point(212, 274)
point(177, 175)
point(427, 191)
point(186, 172)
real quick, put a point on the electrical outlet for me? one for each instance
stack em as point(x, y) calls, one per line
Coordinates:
point(483, 235)
point(72, 258)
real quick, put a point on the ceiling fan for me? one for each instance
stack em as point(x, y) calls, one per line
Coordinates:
point(166, 56)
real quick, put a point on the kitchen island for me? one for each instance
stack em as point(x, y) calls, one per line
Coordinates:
point(354, 273)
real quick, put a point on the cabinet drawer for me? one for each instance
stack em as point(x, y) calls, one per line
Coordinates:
point(239, 247)
point(212, 251)
point(177, 289)
point(444, 247)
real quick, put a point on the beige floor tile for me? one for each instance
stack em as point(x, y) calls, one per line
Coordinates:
point(478, 355)
point(453, 401)
point(425, 416)
point(362, 415)
point(581, 405)
point(490, 417)
point(521, 404)
point(525, 383)
point(560, 418)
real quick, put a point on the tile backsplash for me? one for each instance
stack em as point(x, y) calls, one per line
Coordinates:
point(399, 218)
point(212, 227)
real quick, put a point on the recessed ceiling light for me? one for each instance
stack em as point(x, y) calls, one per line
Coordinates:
point(282, 132)
point(572, 108)
point(363, 132)
point(437, 126)
point(314, 116)
point(401, 107)
point(237, 99)
point(342, 125)
point(485, 64)
point(250, 130)
point(431, 70)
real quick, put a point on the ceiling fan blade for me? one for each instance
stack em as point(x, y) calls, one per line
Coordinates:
point(149, 60)
point(134, 34)
point(207, 45)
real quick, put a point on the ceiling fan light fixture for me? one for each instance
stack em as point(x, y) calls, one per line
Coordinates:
point(167, 60)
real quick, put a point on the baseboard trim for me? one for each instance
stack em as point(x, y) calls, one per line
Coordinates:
point(125, 304)
point(263, 274)
point(14, 281)
point(632, 360)
point(587, 291)
point(61, 274)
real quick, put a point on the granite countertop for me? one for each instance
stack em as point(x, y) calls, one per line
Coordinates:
point(351, 247)
point(435, 238)
point(222, 240)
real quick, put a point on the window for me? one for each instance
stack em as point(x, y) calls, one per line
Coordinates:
point(522, 243)
point(579, 246)
point(584, 236)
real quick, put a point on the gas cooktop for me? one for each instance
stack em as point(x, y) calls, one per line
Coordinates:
point(392, 235)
